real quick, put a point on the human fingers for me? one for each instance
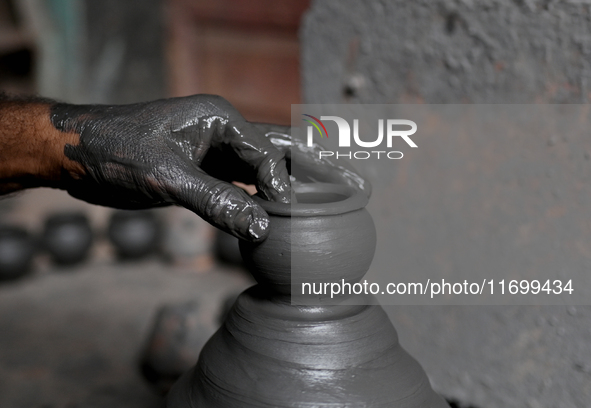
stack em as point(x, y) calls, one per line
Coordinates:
point(268, 162)
point(221, 204)
point(306, 163)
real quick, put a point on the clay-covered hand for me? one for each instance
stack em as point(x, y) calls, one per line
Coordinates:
point(305, 162)
point(156, 153)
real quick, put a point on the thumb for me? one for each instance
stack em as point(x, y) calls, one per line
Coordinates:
point(225, 206)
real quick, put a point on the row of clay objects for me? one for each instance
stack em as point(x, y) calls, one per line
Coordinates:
point(67, 237)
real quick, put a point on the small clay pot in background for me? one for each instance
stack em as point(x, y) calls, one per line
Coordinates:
point(67, 237)
point(177, 336)
point(135, 234)
point(226, 248)
point(17, 249)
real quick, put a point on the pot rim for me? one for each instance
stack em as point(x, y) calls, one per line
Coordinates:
point(355, 200)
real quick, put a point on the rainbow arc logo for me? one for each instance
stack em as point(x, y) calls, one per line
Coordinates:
point(316, 126)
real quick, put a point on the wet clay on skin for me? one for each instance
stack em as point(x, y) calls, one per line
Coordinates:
point(269, 353)
point(185, 151)
point(152, 154)
point(305, 162)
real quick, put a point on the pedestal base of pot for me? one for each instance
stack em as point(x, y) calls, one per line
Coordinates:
point(269, 353)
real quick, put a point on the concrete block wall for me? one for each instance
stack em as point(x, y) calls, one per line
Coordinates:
point(465, 51)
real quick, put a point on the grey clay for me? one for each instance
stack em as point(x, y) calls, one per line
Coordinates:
point(17, 249)
point(325, 237)
point(270, 353)
point(135, 234)
point(67, 237)
point(178, 334)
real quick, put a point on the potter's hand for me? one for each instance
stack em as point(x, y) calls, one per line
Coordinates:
point(305, 163)
point(152, 154)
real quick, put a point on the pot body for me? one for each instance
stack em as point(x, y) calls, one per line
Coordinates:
point(226, 248)
point(135, 234)
point(315, 249)
point(270, 353)
point(17, 249)
point(67, 237)
point(178, 334)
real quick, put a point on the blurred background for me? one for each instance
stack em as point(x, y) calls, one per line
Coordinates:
point(100, 308)
point(94, 332)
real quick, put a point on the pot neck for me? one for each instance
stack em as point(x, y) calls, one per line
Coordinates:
point(314, 199)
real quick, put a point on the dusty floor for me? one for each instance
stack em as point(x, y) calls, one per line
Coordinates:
point(71, 338)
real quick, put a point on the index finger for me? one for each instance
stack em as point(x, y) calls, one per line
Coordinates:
point(255, 149)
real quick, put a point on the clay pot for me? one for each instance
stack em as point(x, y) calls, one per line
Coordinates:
point(326, 236)
point(269, 353)
point(177, 336)
point(67, 237)
point(226, 248)
point(135, 234)
point(17, 249)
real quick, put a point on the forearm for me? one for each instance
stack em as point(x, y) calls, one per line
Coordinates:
point(31, 148)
